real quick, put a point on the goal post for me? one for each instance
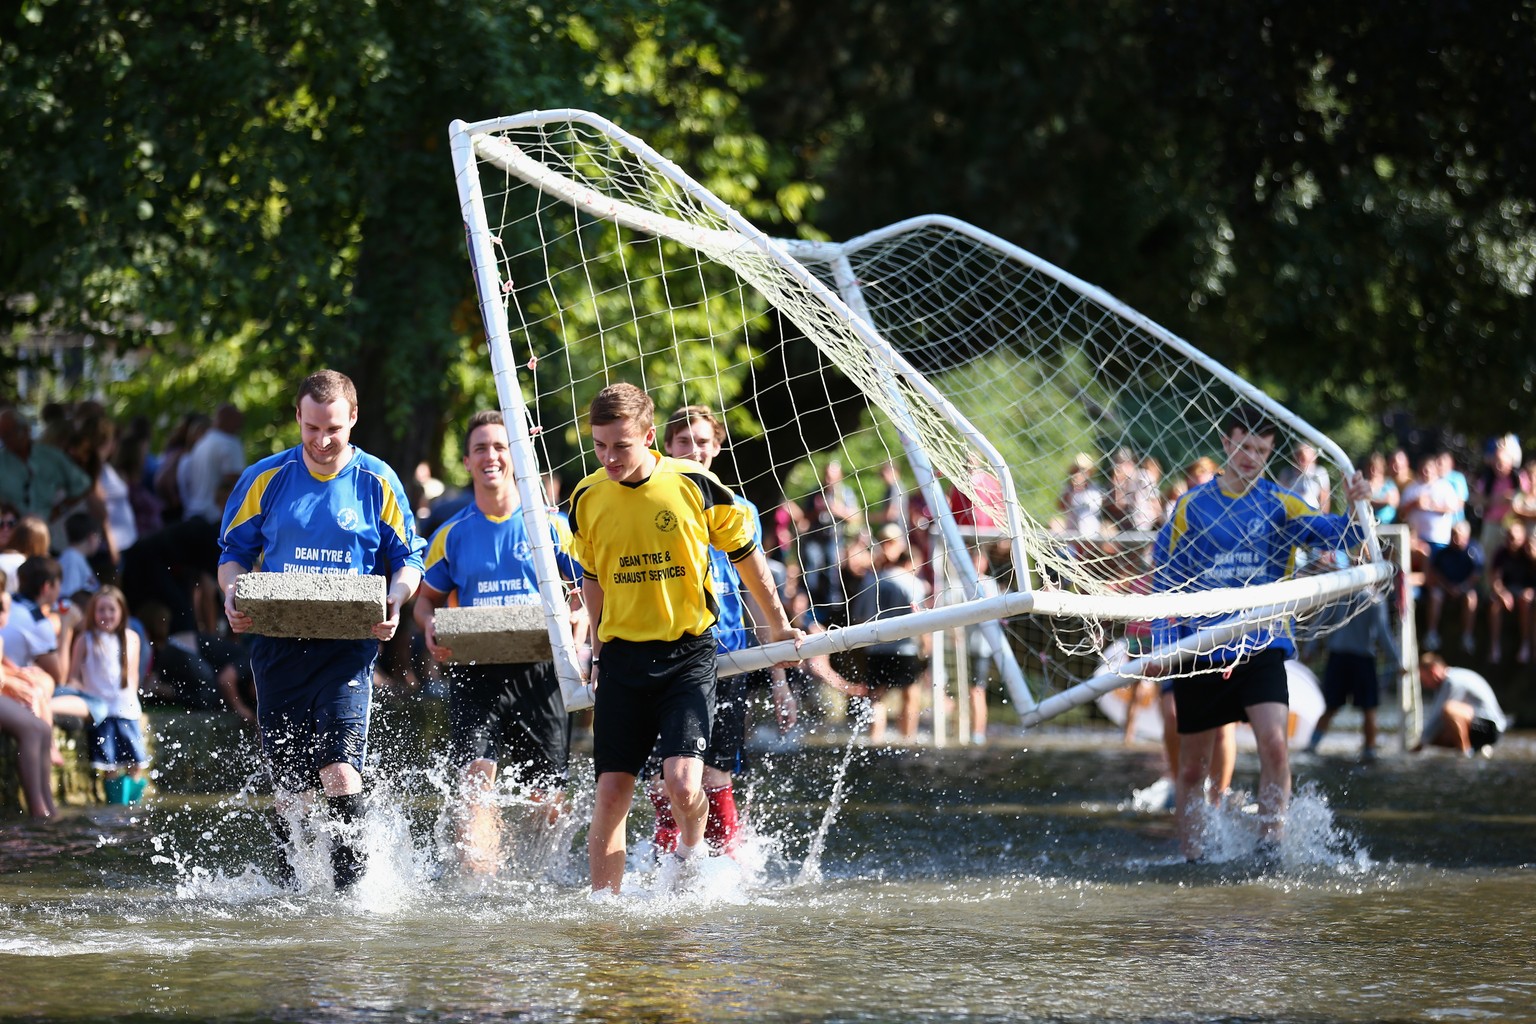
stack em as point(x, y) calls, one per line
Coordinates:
point(979, 370)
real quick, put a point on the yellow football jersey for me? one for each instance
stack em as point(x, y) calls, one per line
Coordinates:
point(647, 545)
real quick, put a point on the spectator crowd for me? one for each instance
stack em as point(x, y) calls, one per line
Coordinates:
point(89, 507)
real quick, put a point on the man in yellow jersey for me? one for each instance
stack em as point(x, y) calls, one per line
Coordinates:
point(641, 528)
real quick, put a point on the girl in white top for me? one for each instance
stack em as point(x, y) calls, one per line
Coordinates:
point(105, 664)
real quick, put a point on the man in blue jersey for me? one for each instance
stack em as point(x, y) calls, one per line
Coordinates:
point(693, 433)
point(515, 712)
point(324, 506)
point(1237, 530)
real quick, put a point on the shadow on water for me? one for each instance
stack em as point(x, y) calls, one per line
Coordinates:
point(1015, 883)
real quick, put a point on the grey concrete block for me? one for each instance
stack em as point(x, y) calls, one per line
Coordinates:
point(509, 634)
point(312, 606)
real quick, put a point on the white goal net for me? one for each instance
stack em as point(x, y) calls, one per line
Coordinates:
point(928, 387)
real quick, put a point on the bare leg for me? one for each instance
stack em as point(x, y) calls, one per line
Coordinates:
point(1368, 730)
point(1318, 730)
point(877, 717)
point(605, 839)
point(1456, 733)
point(1195, 750)
point(34, 743)
point(1223, 762)
point(684, 779)
point(911, 708)
point(1170, 733)
point(1129, 732)
point(978, 711)
point(228, 682)
point(1269, 722)
point(479, 821)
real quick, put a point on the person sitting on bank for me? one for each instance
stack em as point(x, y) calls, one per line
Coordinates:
point(1465, 715)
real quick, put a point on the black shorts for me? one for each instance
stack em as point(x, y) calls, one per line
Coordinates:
point(1482, 733)
point(513, 714)
point(1211, 699)
point(1351, 678)
point(650, 689)
point(893, 671)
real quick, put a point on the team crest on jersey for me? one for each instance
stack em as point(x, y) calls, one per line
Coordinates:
point(522, 550)
point(666, 522)
point(347, 519)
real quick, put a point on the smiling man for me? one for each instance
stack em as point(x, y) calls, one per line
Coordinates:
point(641, 528)
point(496, 712)
point(324, 506)
point(1238, 530)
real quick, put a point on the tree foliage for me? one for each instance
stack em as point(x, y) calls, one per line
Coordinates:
point(1336, 200)
point(279, 173)
point(1333, 199)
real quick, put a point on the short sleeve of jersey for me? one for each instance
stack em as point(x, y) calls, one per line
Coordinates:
point(732, 529)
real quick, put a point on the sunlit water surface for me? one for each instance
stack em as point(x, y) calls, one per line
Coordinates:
point(1017, 883)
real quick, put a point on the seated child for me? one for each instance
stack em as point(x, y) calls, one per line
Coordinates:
point(105, 664)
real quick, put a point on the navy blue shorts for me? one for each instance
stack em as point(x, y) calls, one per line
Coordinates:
point(728, 739)
point(513, 714)
point(1211, 699)
point(312, 703)
point(649, 690)
point(116, 742)
point(1351, 678)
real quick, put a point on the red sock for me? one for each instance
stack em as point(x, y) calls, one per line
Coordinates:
point(722, 831)
point(666, 825)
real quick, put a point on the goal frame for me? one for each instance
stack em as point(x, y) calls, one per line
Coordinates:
point(474, 142)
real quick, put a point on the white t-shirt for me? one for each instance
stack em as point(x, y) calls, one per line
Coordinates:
point(1309, 483)
point(125, 529)
point(215, 458)
point(28, 633)
point(1430, 527)
point(1466, 686)
point(10, 561)
point(1083, 510)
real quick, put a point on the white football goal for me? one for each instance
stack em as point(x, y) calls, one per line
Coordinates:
point(1020, 429)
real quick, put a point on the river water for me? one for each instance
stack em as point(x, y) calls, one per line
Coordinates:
point(1016, 883)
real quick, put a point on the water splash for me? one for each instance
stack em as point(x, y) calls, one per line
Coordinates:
point(1230, 832)
point(251, 850)
point(810, 870)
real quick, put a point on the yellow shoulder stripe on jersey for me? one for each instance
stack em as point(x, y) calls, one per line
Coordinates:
point(439, 547)
point(1178, 524)
point(1295, 506)
point(250, 505)
point(391, 514)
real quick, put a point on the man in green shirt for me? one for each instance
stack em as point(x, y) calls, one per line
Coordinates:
point(37, 478)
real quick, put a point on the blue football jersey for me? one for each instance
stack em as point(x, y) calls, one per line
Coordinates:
point(282, 518)
point(733, 630)
point(1215, 539)
point(489, 560)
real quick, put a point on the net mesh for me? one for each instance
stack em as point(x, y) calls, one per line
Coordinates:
point(1052, 426)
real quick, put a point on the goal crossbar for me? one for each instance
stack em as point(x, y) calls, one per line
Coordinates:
point(1273, 600)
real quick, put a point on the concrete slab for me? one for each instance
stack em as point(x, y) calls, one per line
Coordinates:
point(311, 606)
point(509, 634)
